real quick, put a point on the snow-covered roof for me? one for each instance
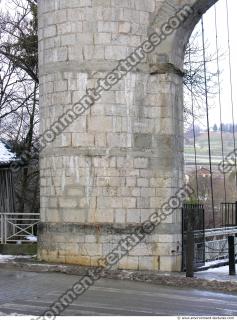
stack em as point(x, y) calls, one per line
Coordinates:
point(6, 155)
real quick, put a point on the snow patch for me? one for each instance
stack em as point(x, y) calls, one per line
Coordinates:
point(31, 238)
point(6, 258)
point(5, 154)
point(12, 315)
point(214, 262)
point(224, 270)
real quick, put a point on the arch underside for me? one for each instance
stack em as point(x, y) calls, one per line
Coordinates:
point(173, 49)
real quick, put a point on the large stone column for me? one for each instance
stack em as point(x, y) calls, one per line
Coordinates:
point(123, 158)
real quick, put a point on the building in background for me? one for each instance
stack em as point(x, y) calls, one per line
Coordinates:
point(7, 194)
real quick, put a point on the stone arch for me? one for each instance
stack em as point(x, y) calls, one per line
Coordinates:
point(172, 50)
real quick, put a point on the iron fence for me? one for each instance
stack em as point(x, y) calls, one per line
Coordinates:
point(229, 214)
point(18, 227)
point(193, 223)
point(216, 243)
point(207, 244)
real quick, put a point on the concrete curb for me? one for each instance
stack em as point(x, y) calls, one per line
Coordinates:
point(166, 279)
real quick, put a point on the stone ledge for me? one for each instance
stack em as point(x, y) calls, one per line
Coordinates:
point(108, 228)
point(165, 68)
point(103, 228)
point(166, 279)
point(88, 67)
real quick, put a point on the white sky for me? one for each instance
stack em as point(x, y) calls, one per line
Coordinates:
point(210, 35)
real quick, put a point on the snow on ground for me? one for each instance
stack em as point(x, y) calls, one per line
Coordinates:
point(12, 315)
point(219, 274)
point(5, 154)
point(6, 258)
point(31, 238)
point(224, 270)
point(214, 262)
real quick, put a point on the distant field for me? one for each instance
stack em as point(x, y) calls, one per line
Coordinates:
point(216, 147)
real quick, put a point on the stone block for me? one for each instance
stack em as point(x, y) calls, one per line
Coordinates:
point(101, 216)
point(102, 38)
point(140, 163)
point(147, 6)
point(142, 141)
point(170, 264)
point(115, 52)
point(67, 40)
point(93, 52)
point(124, 27)
point(89, 238)
point(62, 54)
point(129, 202)
point(142, 249)
point(143, 203)
point(146, 263)
point(133, 216)
point(131, 181)
point(83, 139)
point(101, 3)
point(100, 124)
point(107, 27)
point(60, 86)
point(90, 249)
point(128, 263)
point(121, 140)
point(120, 215)
point(143, 182)
point(50, 31)
point(124, 162)
point(74, 215)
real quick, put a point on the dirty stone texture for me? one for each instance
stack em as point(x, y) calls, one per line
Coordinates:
point(122, 159)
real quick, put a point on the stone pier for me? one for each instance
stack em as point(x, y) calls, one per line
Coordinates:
point(119, 161)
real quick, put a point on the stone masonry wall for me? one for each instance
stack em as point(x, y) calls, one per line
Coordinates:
point(123, 158)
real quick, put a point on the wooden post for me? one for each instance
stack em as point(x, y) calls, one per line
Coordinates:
point(190, 246)
point(231, 243)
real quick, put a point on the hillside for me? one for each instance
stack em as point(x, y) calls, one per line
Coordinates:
point(202, 147)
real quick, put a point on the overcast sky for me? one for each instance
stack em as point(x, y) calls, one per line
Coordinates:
point(209, 24)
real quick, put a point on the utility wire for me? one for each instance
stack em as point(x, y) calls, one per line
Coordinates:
point(208, 122)
point(194, 133)
point(220, 104)
point(231, 86)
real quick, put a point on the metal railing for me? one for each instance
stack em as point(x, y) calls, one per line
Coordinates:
point(217, 232)
point(229, 214)
point(193, 219)
point(216, 242)
point(18, 227)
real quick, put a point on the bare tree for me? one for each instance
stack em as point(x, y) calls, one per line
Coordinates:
point(194, 79)
point(19, 112)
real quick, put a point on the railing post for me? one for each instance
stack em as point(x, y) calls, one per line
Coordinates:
point(2, 235)
point(231, 243)
point(236, 213)
point(5, 228)
point(190, 246)
point(183, 250)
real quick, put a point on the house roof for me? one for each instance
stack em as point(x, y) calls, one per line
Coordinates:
point(7, 156)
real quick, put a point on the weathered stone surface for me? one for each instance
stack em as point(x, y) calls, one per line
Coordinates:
point(123, 158)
